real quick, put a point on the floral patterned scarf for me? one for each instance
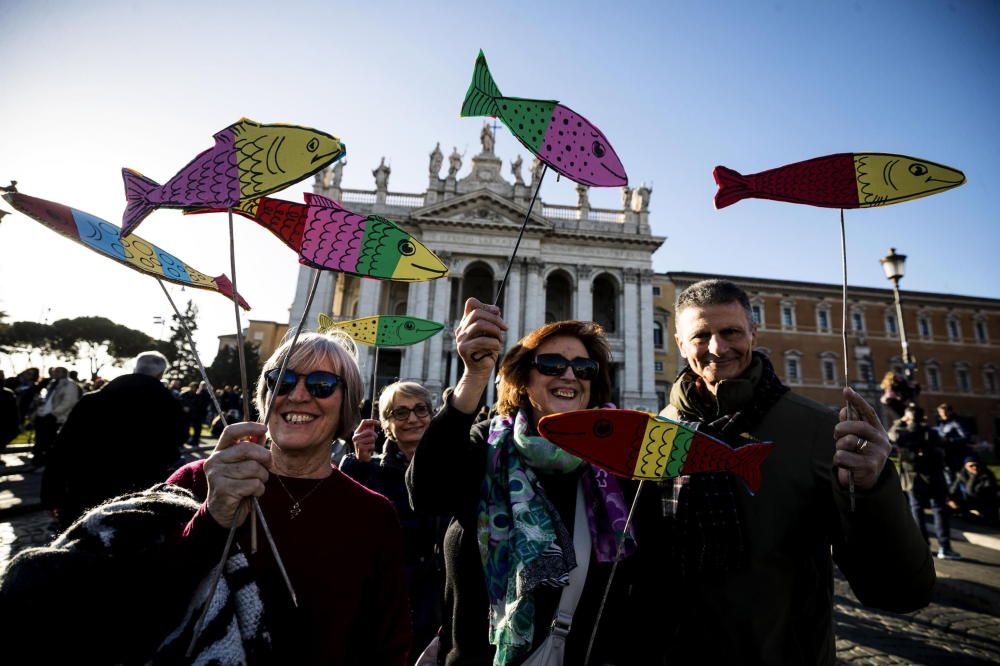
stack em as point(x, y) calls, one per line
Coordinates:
point(522, 540)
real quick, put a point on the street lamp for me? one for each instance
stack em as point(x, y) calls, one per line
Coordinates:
point(894, 265)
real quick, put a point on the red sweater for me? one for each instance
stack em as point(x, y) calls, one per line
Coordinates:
point(344, 556)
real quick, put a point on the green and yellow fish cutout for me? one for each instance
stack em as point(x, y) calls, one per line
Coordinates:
point(383, 330)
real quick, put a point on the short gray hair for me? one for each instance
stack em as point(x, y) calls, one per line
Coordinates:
point(151, 363)
point(404, 389)
point(311, 347)
point(713, 292)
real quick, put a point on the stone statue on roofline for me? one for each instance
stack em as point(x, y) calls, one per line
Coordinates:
point(487, 139)
point(515, 168)
point(454, 162)
point(381, 174)
point(437, 159)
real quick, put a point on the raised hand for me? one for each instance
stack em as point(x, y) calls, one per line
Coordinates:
point(862, 443)
point(364, 439)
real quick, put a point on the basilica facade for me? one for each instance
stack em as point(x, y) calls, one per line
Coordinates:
point(574, 262)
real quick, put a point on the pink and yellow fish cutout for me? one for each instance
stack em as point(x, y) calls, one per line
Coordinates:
point(248, 160)
point(103, 237)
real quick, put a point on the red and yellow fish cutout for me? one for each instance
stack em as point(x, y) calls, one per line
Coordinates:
point(637, 445)
point(845, 180)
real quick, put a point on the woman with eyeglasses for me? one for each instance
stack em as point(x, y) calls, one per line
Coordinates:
point(405, 413)
point(341, 543)
point(510, 550)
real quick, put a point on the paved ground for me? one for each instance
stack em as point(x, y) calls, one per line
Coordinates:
point(960, 626)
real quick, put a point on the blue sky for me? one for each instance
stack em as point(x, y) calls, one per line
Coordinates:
point(91, 87)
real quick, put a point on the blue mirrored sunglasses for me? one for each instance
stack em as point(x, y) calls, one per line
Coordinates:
point(319, 383)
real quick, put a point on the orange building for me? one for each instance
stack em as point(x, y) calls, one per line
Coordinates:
point(266, 335)
point(955, 341)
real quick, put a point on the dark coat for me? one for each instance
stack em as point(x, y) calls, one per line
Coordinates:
point(122, 438)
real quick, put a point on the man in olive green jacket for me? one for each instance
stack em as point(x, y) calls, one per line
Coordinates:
point(749, 579)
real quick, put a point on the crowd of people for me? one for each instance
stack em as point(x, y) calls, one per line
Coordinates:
point(460, 535)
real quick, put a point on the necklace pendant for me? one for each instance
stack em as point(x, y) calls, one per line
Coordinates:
point(295, 511)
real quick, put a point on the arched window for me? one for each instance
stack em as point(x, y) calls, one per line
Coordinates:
point(657, 335)
point(828, 367)
point(558, 297)
point(606, 303)
point(477, 282)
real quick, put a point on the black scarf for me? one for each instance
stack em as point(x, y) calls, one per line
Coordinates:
point(708, 533)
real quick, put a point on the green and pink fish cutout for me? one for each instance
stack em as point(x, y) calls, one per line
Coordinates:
point(560, 137)
point(326, 235)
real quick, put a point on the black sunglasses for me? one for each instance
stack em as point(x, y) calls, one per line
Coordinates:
point(319, 383)
point(403, 413)
point(554, 365)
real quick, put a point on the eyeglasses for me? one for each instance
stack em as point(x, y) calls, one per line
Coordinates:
point(554, 365)
point(403, 413)
point(320, 383)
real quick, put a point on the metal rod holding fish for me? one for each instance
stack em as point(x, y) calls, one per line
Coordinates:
point(520, 234)
point(611, 576)
point(194, 350)
point(843, 338)
point(244, 384)
point(374, 382)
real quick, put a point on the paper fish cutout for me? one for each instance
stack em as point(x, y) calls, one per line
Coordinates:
point(247, 161)
point(638, 445)
point(384, 330)
point(557, 135)
point(845, 180)
point(103, 237)
point(327, 235)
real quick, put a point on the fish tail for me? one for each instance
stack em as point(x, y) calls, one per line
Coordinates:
point(137, 190)
point(747, 462)
point(225, 287)
point(481, 99)
point(733, 186)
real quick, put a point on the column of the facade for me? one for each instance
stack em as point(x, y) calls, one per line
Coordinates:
point(512, 304)
point(646, 358)
point(584, 296)
point(534, 302)
point(434, 381)
point(631, 333)
point(417, 305)
point(368, 301)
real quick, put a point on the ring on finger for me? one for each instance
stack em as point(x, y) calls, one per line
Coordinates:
point(861, 445)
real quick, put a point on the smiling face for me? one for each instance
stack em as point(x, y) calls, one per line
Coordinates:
point(565, 393)
point(407, 433)
point(300, 421)
point(716, 340)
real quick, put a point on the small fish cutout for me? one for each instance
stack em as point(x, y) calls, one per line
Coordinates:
point(637, 445)
point(845, 180)
point(560, 137)
point(383, 330)
point(327, 235)
point(103, 237)
point(249, 160)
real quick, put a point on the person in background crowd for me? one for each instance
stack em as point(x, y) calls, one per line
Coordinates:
point(974, 492)
point(61, 394)
point(921, 459)
point(27, 390)
point(898, 392)
point(405, 413)
point(750, 579)
point(10, 419)
point(957, 442)
point(122, 438)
